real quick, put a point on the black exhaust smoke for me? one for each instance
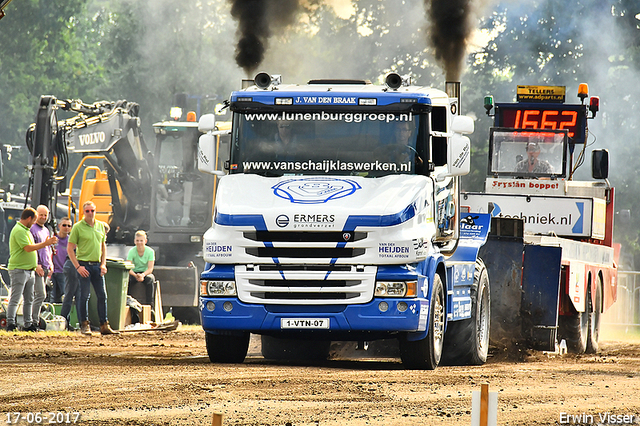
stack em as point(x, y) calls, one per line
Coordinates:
point(451, 26)
point(256, 21)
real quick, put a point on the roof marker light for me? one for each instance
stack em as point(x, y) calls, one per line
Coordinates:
point(488, 104)
point(594, 105)
point(175, 113)
point(368, 101)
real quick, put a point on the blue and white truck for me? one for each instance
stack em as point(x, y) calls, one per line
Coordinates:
point(337, 219)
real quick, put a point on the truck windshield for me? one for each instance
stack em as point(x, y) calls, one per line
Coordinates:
point(327, 142)
point(527, 153)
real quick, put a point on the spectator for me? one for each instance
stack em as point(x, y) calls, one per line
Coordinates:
point(87, 250)
point(44, 268)
point(141, 279)
point(23, 260)
point(59, 257)
point(66, 273)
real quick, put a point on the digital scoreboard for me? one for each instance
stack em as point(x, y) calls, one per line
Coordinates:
point(544, 116)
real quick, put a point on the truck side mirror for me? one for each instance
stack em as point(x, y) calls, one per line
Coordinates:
point(207, 154)
point(600, 164)
point(458, 156)
point(462, 124)
point(207, 123)
point(208, 146)
point(459, 147)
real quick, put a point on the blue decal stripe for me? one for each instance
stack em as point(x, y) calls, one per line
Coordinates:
point(377, 221)
point(578, 228)
point(255, 220)
point(380, 221)
point(307, 98)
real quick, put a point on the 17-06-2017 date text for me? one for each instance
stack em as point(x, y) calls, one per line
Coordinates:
point(42, 418)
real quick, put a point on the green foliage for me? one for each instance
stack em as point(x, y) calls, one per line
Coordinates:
point(40, 53)
point(567, 43)
point(152, 50)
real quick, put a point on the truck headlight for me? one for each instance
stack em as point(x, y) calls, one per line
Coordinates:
point(396, 288)
point(217, 288)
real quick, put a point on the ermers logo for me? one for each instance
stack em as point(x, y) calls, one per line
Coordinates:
point(314, 221)
point(92, 138)
point(282, 220)
point(315, 190)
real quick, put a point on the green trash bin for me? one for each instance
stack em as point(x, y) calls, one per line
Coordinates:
point(73, 315)
point(117, 283)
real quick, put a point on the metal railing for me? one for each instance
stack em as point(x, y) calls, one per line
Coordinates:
point(626, 310)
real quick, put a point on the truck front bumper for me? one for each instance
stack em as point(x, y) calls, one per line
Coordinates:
point(400, 315)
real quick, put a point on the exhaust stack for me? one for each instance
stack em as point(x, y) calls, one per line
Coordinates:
point(453, 91)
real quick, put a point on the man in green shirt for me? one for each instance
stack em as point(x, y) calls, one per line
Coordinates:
point(87, 250)
point(22, 262)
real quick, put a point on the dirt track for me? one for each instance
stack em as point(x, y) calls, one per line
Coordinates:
point(157, 378)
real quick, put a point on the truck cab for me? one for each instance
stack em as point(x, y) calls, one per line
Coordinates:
point(337, 218)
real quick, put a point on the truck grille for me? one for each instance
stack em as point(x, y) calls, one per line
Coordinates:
point(312, 252)
point(305, 237)
point(305, 284)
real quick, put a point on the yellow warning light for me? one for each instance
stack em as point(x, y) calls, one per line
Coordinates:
point(583, 91)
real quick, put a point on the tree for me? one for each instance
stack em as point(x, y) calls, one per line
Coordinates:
point(40, 53)
point(152, 50)
point(566, 43)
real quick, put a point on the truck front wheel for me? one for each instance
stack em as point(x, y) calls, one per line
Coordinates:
point(467, 341)
point(227, 348)
point(425, 354)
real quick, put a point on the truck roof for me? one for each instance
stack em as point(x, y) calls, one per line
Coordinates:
point(333, 94)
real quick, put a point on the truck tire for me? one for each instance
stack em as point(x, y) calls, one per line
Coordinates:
point(291, 349)
point(227, 348)
point(594, 318)
point(425, 354)
point(466, 342)
point(574, 329)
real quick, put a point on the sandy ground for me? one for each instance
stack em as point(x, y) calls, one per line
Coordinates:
point(155, 378)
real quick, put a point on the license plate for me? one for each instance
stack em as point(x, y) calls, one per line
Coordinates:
point(304, 323)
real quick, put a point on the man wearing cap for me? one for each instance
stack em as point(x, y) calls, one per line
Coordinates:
point(532, 164)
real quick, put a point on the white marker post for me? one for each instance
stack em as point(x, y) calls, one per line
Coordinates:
point(484, 407)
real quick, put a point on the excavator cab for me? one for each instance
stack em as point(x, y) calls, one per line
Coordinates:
point(182, 197)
